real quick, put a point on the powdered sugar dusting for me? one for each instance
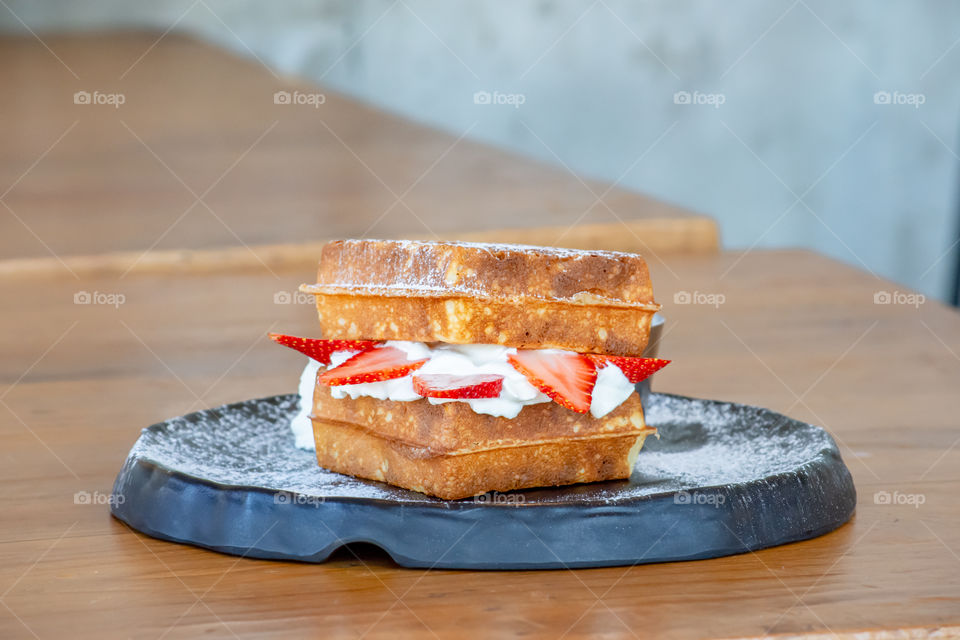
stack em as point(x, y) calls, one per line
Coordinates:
point(483, 271)
point(703, 444)
point(502, 246)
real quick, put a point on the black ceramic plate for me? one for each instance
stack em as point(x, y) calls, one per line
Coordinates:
point(722, 479)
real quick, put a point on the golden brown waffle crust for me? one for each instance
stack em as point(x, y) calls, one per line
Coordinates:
point(472, 293)
point(453, 427)
point(449, 451)
point(350, 449)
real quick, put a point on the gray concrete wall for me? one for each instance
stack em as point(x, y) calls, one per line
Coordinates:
point(790, 144)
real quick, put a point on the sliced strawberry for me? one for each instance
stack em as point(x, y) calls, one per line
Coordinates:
point(568, 378)
point(320, 350)
point(635, 369)
point(441, 385)
point(381, 363)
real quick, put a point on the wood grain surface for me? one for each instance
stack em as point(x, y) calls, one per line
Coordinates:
point(200, 156)
point(794, 331)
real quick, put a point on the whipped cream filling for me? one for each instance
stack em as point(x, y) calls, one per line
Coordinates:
point(300, 424)
point(452, 359)
point(610, 391)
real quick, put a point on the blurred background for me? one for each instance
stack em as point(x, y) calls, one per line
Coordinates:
point(807, 123)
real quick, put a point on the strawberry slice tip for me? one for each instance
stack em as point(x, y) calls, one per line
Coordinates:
point(374, 365)
point(441, 385)
point(635, 369)
point(567, 378)
point(320, 350)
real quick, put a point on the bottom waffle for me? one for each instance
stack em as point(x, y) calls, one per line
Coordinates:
point(353, 450)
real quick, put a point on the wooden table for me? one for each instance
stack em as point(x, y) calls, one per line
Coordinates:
point(796, 332)
point(882, 379)
point(198, 155)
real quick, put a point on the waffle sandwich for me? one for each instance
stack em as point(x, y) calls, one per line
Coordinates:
point(455, 369)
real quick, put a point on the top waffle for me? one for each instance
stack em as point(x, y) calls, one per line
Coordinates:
point(468, 293)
